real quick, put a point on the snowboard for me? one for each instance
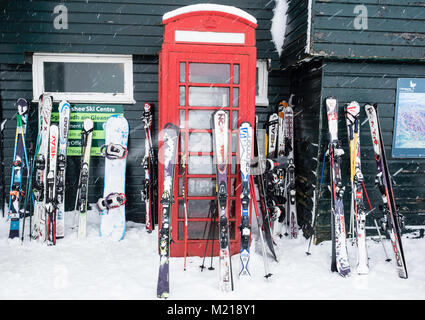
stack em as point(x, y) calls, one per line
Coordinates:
point(112, 222)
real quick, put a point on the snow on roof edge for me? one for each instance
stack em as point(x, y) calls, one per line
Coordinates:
point(210, 7)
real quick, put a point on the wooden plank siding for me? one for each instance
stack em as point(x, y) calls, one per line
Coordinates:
point(294, 46)
point(306, 83)
point(371, 82)
point(101, 26)
point(395, 30)
point(116, 27)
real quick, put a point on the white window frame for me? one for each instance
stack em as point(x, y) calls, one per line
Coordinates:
point(84, 97)
point(263, 82)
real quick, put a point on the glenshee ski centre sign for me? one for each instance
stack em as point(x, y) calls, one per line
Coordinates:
point(409, 126)
point(98, 113)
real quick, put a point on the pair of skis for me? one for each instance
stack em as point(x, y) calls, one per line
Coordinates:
point(49, 186)
point(148, 164)
point(282, 182)
point(339, 249)
point(20, 162)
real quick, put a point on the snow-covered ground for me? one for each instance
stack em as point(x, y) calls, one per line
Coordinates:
point(99, 269)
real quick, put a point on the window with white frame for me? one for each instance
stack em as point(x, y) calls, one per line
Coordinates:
point(261, 95)
point(84, 78)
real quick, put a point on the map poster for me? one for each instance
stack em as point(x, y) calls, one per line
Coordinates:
point(98, 113)
point(409, 126)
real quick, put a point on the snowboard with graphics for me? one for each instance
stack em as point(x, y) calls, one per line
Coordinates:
point(112, 223)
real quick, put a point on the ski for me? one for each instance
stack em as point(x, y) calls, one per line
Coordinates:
point(291, 192)
point(82, 194)
point(358, 210)
point(148, 165)
point(39, 190)
point(393, 219)
point(339, 247)
point(245, 148)
point(112, 218)
point(221, 147)
point(64, 117)
point(273, 126)
point(51, 201)
point(259, 155)
point(170, 138)
point(20, 161)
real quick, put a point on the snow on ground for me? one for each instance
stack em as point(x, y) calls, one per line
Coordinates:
point(99, 269)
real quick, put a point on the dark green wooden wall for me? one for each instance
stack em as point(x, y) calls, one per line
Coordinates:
point(395, 30)
point(371, 82)
point(103, 26)
point(126, 27)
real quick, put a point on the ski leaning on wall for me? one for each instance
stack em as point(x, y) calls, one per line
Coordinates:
point(83, 185)
point(339, 246)
point(148, 165)
point(221, 149)
point(392, 219)
point(358, 210)
point(112, 205)
point(20, 161)
point(51, 200)
point(64, 117)
point(259, 154)
point(170, 135)
point(291, 192)
point(245, 152)
point(39, 219)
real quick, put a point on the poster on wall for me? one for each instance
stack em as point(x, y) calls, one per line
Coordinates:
point(409, 126)
point(98, 113)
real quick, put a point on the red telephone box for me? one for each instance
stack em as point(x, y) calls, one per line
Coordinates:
point(207, 62)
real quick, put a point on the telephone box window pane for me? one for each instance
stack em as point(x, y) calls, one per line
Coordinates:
point(209, 73)
point(201, 187)
point(235, 119)
point(235, 141)
point(198, 230)
point(83, 77)
point(236, 97)
point(198, 208)
point(201, 165)
point(236, 74)
point(182, 96)
point(200, 119)
point(200, 142)
point(182, 71)
point(208, 97)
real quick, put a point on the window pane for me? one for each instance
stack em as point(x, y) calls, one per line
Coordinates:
point(182, 71)
point(84, 77)
point(201, 165)
point(200, 142)
point(209, 73)
point(236, 97)
point(200, 119)
point(236, 74)
point(208, 97)
point(182, 96)
point(201, 187)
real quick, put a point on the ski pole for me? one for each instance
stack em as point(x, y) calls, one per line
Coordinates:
point(210, 215)
point(183, 164)
point(315, 214)
point(376, 223)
